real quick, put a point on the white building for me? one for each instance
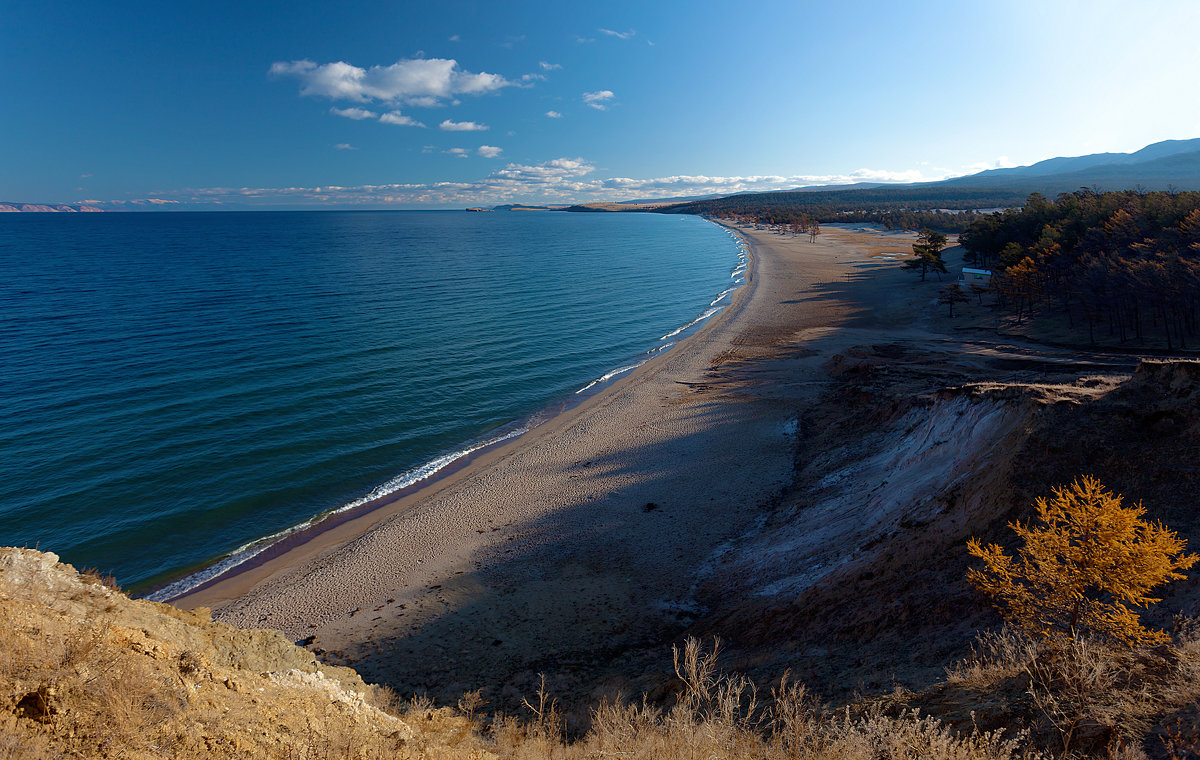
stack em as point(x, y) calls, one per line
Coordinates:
point(980, 277)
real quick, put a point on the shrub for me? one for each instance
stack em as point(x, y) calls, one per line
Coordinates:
point(1085, 565)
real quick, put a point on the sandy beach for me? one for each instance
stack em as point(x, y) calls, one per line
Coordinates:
point(585, 538)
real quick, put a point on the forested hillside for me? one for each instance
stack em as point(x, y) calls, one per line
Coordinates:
point(953, 204)
point(1126, 264)
point(947, 209)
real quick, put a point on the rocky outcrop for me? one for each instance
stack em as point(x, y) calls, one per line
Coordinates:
point(87, 672)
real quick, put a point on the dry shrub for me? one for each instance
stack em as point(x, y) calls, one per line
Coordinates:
point(1095, 696)
point(76, 679)
point(995, 655)
point(1082, 696)
point(16, 744)
point(720, 717)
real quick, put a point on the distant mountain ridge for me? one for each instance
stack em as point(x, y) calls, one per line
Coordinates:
point(1065, 165)
point(1166, 165)
point(1159, 166)
point(44, 208)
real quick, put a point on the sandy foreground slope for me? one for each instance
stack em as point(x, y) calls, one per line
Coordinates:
point(583, 539)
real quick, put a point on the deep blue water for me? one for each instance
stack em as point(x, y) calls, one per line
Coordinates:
point(173, 386)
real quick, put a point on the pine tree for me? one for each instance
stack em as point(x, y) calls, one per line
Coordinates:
point(1086, 564)
point(952, 294)
point(928, 252)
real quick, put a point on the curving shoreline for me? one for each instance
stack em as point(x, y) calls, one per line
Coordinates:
point(335, 529)
point(426, 478)
point(588, 534)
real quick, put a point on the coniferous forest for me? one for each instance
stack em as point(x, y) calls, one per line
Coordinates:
point(948, 209)
point(1124, 264)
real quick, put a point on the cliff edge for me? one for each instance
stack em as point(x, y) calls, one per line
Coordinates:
point(87, 672)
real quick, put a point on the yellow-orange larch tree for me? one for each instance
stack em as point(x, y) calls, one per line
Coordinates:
point(1087, 563)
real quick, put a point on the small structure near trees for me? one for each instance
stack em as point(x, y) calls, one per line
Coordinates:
point(980, 277)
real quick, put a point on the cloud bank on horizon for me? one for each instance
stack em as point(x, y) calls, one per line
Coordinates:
point(559, 181)
point(662, 99)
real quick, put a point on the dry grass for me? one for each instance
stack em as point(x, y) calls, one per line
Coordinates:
point(719, 717)
point(1080, 697)
point(85, 672)
point(994, 655)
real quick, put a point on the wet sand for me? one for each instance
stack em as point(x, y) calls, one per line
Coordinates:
point(584, 539)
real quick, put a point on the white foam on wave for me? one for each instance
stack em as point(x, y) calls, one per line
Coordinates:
point(251, 550)
point(722, 295)
point(610, 375)
point(707, 313)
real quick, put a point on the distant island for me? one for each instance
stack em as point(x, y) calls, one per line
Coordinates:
point(43, 208)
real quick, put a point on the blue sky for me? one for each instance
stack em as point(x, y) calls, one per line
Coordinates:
point(410, 105)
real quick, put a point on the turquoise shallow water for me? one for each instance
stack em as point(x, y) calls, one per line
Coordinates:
point(175, 386)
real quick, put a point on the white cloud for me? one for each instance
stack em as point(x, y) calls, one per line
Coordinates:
point(138, 202)
point(454, 38)
point(560, 181)
point(527, 78)
point(399, 119)
point(353, 113)
point(1000, 162)
point(549, 66)
point(84, 176)
point(460, 152)
point(418, 80)
point(618, 35)
point(344, 146)
point(489, 151)
point(554, 114)
point(426, 101)
point(463, 126)
point(598, 99)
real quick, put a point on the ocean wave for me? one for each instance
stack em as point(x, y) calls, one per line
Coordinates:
point(721, 296)
point(707, 313)
point(251, 550)
point(610, 375)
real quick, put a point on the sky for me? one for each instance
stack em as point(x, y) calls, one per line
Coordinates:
point(385, 104)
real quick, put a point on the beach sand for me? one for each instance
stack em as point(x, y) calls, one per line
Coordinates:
point(581, 542)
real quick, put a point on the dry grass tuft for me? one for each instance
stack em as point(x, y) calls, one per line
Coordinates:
point(86, 672)
point(1082, 697)
point(720, 717)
